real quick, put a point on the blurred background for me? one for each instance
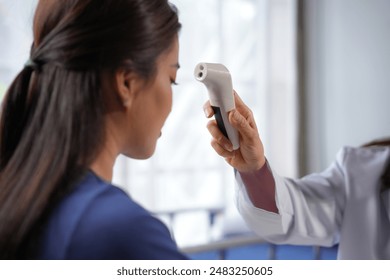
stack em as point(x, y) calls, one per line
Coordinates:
point(316, 74)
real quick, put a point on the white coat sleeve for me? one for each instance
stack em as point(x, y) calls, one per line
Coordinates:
point(310, 209)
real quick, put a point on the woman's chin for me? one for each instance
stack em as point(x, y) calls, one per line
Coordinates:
point(141, 153)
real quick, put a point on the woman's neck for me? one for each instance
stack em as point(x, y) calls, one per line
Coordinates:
point(103, 164)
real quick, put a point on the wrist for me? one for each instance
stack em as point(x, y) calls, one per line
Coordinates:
point(253, 168)
point(260, 187)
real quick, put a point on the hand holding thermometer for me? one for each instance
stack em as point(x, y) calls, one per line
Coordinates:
point(217, 79)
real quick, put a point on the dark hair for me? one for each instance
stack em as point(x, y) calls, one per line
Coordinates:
point(52, 125)
point(385, 178)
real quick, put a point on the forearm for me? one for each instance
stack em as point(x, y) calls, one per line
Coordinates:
point(260, 187)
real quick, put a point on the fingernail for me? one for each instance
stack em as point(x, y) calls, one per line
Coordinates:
point(229, 147)
point(208, 112)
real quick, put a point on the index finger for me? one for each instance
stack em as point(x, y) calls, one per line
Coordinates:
point(240, 105)
point(208, 110)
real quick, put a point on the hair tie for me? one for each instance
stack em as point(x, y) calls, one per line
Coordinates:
point(32, 65)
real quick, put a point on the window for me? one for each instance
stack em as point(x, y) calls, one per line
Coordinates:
point(255, 40)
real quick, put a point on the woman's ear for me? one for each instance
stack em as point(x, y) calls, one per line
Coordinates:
point(128, 84)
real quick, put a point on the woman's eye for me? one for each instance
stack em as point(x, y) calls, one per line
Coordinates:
point(173, 82)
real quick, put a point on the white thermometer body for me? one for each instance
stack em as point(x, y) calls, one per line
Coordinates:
point(217, 79)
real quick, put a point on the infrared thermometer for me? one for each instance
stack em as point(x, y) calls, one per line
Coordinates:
point(216, 77)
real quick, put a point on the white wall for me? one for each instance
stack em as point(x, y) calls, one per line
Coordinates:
point(15, 36)
point(348, 75)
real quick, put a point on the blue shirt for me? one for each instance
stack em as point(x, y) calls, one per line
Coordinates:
point(100, 221)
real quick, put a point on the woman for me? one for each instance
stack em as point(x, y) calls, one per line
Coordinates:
point(98, 84)
point(347, 204)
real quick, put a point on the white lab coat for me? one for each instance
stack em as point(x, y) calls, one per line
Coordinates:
point(341, 205)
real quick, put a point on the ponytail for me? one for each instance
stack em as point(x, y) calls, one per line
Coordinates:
point(14, 115)
point(48, 140)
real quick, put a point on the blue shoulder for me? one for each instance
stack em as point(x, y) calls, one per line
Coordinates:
point(113, 226)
